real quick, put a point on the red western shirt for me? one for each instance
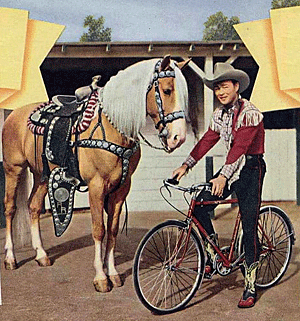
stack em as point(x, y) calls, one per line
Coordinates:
point(241, 130)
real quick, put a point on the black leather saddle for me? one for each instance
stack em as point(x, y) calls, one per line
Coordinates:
point(57, 121)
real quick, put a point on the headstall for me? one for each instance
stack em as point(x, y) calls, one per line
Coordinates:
point(164, 119)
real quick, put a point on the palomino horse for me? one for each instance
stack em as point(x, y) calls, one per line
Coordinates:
point(152, 87)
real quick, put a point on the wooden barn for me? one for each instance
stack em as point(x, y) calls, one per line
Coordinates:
point(72, 65)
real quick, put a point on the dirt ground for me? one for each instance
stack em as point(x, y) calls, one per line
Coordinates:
point(64, 291)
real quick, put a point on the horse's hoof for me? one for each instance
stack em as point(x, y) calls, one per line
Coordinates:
point(44, 261)
point(116, 280)
point(102, 286)
point(10, 265)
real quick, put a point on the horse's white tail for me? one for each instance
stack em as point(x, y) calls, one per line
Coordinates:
point(21, 221)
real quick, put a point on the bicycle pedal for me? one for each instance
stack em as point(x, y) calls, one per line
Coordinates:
point(208, 276)
point(207, 269)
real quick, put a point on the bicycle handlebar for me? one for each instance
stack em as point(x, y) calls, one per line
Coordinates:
point(174, 183)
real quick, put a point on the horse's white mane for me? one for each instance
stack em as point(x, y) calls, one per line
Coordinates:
point(124, 96)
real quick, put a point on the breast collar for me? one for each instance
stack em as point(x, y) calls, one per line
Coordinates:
point(124, 153)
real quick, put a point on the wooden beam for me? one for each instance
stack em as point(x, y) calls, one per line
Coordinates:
point(208, 93)
point(144, 49)
point(231, 59)
point(196, 69)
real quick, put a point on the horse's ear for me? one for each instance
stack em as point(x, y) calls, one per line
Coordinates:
point(165, 63)
point(182, 64)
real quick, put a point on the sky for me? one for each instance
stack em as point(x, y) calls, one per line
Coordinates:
point(140, 20)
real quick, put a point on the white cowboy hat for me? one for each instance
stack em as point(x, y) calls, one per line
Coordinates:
point(225, 71)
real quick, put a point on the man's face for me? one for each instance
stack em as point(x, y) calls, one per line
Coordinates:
point(226, 91)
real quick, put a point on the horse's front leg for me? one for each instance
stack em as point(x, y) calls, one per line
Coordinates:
point(115, 203)
point(36, 201)
point(96, 198)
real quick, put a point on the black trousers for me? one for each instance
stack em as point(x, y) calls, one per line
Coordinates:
point(248, 189)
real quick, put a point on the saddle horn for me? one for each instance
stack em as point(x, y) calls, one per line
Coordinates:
point(83, 92)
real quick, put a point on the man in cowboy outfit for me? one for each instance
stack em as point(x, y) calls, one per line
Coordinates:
point(238, 123)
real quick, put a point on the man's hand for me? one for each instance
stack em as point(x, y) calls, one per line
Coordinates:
point(181, 171)
point(218, 185)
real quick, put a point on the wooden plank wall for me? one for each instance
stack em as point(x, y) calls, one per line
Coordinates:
point(156, 165)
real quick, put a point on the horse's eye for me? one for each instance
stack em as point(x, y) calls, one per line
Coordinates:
point(167, 92)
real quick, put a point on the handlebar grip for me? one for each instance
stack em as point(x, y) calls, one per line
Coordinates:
point(173, 180)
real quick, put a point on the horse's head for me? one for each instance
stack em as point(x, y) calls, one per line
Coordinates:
point(167, 99)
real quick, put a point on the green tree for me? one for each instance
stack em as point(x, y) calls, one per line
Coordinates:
point(220, 27)
point(276, 4)
point(96, 30)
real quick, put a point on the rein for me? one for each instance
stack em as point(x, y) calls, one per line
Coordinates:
point(147, 143)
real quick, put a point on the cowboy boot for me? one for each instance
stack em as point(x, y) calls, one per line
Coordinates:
point(249, 295)
point(208, 272)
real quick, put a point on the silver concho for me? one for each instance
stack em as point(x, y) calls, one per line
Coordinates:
point(113, 147)
point(61, 194)
point(127, 153)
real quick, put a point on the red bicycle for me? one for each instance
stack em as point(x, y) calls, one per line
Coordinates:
point(170, 259)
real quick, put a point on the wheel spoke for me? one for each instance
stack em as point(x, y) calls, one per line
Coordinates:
point(167, 270)
point(275, 239)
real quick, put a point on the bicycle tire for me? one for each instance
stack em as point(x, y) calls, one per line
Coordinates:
point(273, 262)
point(160, 285)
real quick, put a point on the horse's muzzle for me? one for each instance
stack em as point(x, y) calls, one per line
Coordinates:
point(175, 141)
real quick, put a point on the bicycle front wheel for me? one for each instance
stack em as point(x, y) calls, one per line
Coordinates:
point(276, 236)
point(168, 267)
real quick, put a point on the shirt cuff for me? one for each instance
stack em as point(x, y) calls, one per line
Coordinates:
point(229, 169)
point(190, 162)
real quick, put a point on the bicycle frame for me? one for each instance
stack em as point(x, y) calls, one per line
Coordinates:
point(227, 261)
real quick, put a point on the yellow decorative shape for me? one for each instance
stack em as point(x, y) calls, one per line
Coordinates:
point(286, 34)
point(40, 38)
point(266, 94)
point(295, 94)
point(13, 30)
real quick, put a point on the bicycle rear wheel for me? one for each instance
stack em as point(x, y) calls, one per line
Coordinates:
point(168, 267)
point(276, 236)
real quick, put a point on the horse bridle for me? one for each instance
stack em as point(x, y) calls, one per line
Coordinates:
point(164, 119)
